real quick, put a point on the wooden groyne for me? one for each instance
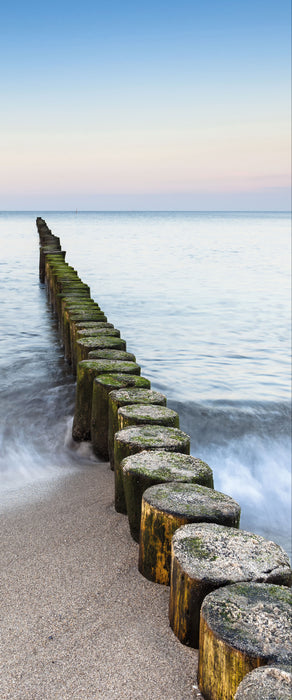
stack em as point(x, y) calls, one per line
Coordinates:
point(230, 590)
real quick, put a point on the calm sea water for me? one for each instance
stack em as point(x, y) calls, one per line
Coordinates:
point(203, 300)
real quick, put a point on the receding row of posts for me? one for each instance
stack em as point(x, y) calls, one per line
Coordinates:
point(230, 589)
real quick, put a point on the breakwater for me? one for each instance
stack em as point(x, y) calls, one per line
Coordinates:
point(85, 331)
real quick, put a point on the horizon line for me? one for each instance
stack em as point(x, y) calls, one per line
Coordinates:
point(149, 211)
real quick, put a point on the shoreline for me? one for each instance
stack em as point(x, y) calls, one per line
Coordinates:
point(78, 618)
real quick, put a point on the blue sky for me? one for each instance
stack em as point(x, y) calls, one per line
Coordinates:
point(166, 105)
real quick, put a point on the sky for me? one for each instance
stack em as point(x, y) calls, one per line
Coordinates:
point(128, 105)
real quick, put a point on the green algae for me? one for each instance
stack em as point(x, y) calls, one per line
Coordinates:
point(194, 502)
point(254, 618)
point(111, 354)
point(135, 414)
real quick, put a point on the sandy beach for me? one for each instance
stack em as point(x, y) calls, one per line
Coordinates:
point(78, 620)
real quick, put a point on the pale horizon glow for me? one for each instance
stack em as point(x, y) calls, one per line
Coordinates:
point(137, 108)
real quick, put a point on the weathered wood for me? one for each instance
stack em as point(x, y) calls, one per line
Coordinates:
point(123, 397)
point(141, 414)
point(87, 324)
point(70, 317)
point(75, 291)
point(54, 271)
point(97, 329)
point(165, 508)
point(84, 346)
point(75, 314)
point(44, 252)
point(87, 370)
point(59, 275)
point(206, 556)
point(145, 469)
point(69, 290)
point(51, 255)
point(266, 683)
point(108, 354)
point(102, 386)
point(242, 626)
point(149, 437)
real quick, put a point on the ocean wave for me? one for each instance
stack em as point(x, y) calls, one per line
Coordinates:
point(248, 446)
point(221, 421)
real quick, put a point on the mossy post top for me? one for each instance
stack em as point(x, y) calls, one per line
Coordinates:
point(87, 324)
point(120, 379)
point(90, 334)
point(150, 413)
point(79, 312)
point(123, 397)
point(168, 466)
point(109, 342)
point(82, 304)
point(223, 555)
point(73, 292)
point(107, 366)
point(98, 327)
point(111, 354)
point(254, 618)
point(193, 501)
point(265, 683)
point(85, 315)
point(154, 437)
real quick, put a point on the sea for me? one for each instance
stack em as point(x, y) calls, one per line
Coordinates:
point(203, 299)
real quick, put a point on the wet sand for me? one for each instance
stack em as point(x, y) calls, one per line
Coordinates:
point(78, 621)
